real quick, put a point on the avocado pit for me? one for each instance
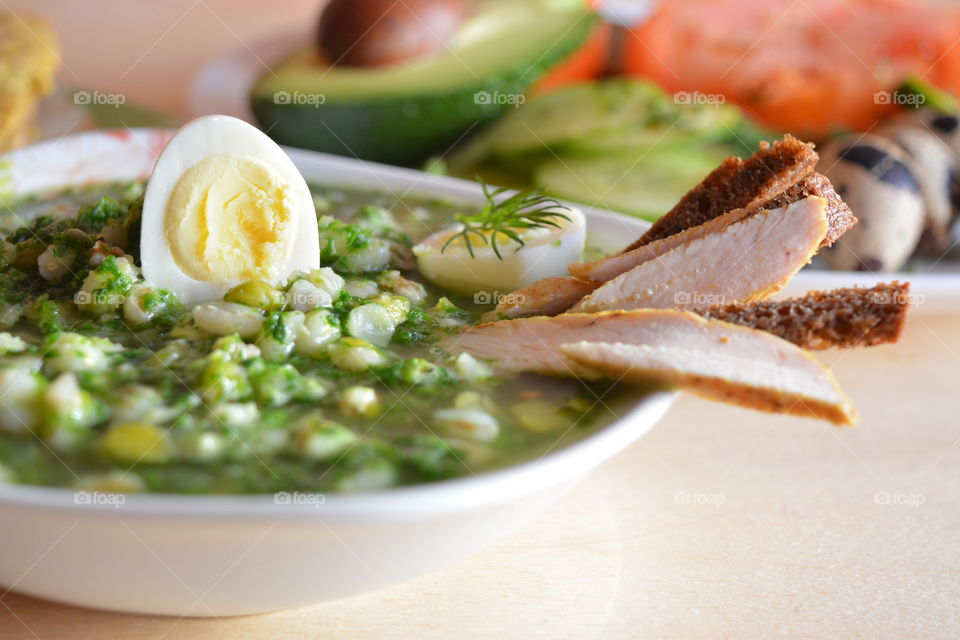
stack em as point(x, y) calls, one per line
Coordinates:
point(373, 33)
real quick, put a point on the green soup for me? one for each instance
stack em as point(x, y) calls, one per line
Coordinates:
point(337, 381)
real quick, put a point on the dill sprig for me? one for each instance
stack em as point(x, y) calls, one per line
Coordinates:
point(508, 217)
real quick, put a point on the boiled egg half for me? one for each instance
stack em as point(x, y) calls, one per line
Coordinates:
point(224, 205)
point(546, 251)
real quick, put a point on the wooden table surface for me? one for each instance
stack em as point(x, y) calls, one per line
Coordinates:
point(721, 523)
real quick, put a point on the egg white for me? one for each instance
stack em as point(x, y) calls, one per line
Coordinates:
point(546, 252)
point(195, 141)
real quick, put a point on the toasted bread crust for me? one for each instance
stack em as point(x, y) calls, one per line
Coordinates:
point(737, 184)
point(841, 318)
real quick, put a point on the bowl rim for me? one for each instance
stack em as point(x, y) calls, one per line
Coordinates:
point(566, 463)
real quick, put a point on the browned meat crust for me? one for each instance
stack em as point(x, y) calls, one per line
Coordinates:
point(839, 216)
point(545, 297)
point(840, 318)
point(737, 184)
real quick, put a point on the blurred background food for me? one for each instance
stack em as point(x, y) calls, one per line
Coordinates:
point(631, 111)
point(28, 61)
point(623, 104)
point(901, 180)
point(395, 82)
point(812, 68)
point(620, 143)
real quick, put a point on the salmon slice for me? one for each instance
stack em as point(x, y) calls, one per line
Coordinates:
point(749, 260)
point(767, 378)
point(545, 297)
point(776, 375)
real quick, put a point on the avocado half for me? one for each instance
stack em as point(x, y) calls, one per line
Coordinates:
point(401, 114)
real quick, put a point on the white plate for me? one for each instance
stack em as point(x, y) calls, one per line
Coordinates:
point(217, 556)
point(224, 84)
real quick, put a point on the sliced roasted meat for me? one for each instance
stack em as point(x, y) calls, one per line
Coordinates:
point(777, 375)
point(531, 344)
point(768, 377)
point(610, 267)
point(775, 176)
point(748, 260)
point(839, 219)
point(545, 297)
point(840, 318)
point(737, 184)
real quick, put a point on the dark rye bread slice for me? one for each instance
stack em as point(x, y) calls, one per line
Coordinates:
point(841, 318)
point(737, 184)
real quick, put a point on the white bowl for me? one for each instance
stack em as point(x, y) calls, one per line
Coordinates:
point(230, 555)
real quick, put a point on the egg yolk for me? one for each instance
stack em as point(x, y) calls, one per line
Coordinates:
point(230, 219)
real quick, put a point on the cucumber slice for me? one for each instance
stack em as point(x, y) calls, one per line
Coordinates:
point(691, 125)
point(572, 114)
point(609, 116)
point(647, 187)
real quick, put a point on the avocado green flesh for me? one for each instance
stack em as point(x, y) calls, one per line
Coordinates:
point(403, 113)
point(508, 41)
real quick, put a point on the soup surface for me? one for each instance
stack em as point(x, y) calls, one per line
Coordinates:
point(340, 380)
